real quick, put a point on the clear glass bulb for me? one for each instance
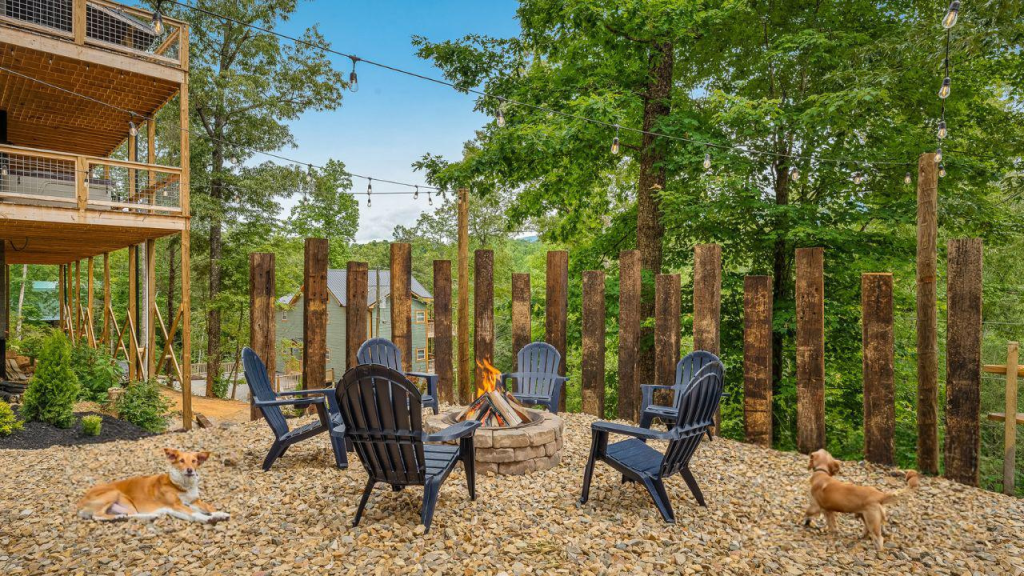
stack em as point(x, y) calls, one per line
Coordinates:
point(794, 174)
point(353, 80)
point(309, 174)
point(907, 179)
point(132, 128)
point(707, 161)
point(3, 171)
point(857, 177)
point(938, 155)
point(942, 171)
point(501, 118)
point(615, 145)
point(942, 129)
point(369, 187)
point(944, 91)
point(158, 23)
point(951, 15)
point(369, 201)
point(416, 194)
point(430, 199)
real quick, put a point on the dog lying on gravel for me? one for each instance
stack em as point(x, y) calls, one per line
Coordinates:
point(175, 493)
point(829, 496)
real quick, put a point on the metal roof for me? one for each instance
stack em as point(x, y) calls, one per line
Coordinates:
point(337, 281)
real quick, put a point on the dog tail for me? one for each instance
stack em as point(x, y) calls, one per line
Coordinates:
point(913, 481)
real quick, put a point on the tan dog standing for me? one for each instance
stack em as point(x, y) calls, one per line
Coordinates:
point(175, 493)
point(829, 496)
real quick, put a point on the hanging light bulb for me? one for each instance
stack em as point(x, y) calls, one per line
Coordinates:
point(416, 194)
point(369, 187)
point(942, 171)
point(794, 174)
point(309, 174)
point(369, 201)
point(938, 155)
point(132, 128)
point(430, 199)
point(942, 129)
point(615, 141)
point(858, 177)
point(3, 170)
point(158, 21)
point(907, 179)
point(951, 15)
point(707, 161)
point(944, 91)
point(501, 113)
point(353, 80)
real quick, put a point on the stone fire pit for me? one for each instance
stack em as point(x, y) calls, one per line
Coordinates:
point(531, 446)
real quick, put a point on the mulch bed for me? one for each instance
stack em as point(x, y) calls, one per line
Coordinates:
point(39, 435)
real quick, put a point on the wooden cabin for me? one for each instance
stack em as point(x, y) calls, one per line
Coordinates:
point(80, 84)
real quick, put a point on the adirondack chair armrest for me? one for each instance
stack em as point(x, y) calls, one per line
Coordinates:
point(431, 381)
point(647, 393)
point(454, 432)
point(634, 431)
point(291, 401)
point(305, 392)
point(423, 375)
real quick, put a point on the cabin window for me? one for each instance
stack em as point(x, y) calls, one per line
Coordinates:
point(328, 354)
point(421, 316)
point(284, 317)
point(421, 354)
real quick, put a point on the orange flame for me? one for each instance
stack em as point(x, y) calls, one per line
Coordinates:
point(488, 381)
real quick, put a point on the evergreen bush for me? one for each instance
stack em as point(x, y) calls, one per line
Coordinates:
point(53, 389)
point(143, 405)
point(91, 425)
point(96, 372)
point(9, 423)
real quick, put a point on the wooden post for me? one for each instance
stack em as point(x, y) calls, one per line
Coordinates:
point(555, 317)
point(963, 360)
point(1010, 421)
point(106, 301)
point(151, 306)
point(629, 334)
point(667, 303)
point(357, 317)
point(810, 349)
point(401, 301)
point(879, 385)
point(707, 301)
point(262, 325)
point(464, 382)
point(90, 302)
point(186, 317)
point(133, 307)
point(757, 360)
point(5, 297)
point(521, 316)
point(927, 317)
point(78, 20)
point(592, 364)
point(443, 330)
point(483, 316)
point(314, 317)
point(60, 296)
point(76, 308)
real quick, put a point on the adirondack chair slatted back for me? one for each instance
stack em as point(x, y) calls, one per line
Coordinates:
point(259, 386)
point(382, 412)
point(687, 369)
point(538, 362)
point(696, 413)
point(380, 351)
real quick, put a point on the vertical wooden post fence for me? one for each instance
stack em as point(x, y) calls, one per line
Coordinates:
point(557, 307)
point(483, 317)
point(1010, 418)
point(133, 306)
point(262, 326)
point(465, 384)
point(629, 334)
point(963, 360)
point(879, 386)
point(443, 330)
point(757, 360)
point(927, 317)
point(5, 298)
point(401, 301)
point(521, 315)
point(810, 349)
point(707, 301)
point(357, 317)
point(667, 304)
point(314, 314)
point(593, 343)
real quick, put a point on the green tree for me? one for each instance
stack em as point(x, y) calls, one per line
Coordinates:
point(53, 390)
point(328, 210)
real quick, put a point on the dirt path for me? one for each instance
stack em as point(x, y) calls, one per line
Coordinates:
point(216, 409)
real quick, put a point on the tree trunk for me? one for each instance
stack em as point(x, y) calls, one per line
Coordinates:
point(782, 272)
point(171, 313)
point(657, 105)
point(213, 316)
point(21, 300)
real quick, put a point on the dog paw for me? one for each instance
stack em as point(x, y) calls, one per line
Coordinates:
point(218, 516)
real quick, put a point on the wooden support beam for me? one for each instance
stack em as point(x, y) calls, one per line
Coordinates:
point(464, 382)
point(90, 302)
point(667, 304)
point(401, 301)
point(133, 307)
point(592, 364)
point(151, 306)
point(630, 286)
point(810, 349)
point(483, 314)
point(707, 301)
point(443, 331)
point(169, 342)
point(555, 317)
point(314, 314)
point(963, 360)
point(186, 306)
point(522, 316)
point(757, 360)
point(76, 306)
point(927, 316)
point(262, 325)
point(5, 298)
point(1009, 426)
point(357, 317)
point(106, 298)
point(879, 384)
point(61, 301)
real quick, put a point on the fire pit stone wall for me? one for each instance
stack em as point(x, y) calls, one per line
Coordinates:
point(519, 450)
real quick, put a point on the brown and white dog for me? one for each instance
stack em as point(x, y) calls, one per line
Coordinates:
point(175, 493)
point(830, 496)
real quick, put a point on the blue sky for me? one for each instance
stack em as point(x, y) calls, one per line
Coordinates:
point(393, 119)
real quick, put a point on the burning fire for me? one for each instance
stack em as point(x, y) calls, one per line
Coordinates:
point(493, 407)
point(489, 381)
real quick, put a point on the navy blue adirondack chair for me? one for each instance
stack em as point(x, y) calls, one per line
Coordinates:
point(383, 352)
point(687, 371)
point(385, 424)
point(537, 379)
point(270, 402)
point(639, 462)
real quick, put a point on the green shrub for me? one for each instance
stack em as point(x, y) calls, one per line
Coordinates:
point(143, 405)
point(32, 339)
point(53, 390)
point(91, 425)
point(220, 387)
point(96, 372)
point(9, 423)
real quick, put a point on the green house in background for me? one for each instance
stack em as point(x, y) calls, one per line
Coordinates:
point(289, 322)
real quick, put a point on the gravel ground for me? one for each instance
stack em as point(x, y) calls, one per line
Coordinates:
point(37, 435)
point(296, 519)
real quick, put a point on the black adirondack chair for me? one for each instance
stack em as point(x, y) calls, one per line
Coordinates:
point(270, 403)
point(537, 380)
point(639, 462)
point(385, 424)
point(687, 371)
point(383, 352)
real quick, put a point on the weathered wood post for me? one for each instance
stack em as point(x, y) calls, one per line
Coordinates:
point(757, 360)
point(555, 317)
point(262, 326)
point(357, 314)
point(707, 301)
point(401, 301)
point(963, 360)
point(133, 307)
point(593, 343)
point(927, 316)
point(667, 304)
point(483, 317)
point(314, 314)
point(1010, 420)
point(879, 386)
point(5, 297)
point(521, 315)
point(106, 301)
point(443, 330)
point(629, 334)
point(465, 384)
point(810, 349)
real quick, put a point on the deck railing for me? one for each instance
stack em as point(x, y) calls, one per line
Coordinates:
point(44, 178)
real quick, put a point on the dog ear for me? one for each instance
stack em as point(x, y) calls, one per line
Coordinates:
point(202, 457)
point(833, 467)
point(171, 454)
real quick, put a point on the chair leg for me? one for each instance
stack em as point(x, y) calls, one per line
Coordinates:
point(363, 500)
point(430, 491)
point(340, 457)
point(656, 488)
point(469, 463)
point(276, 451)
point(646, 420)
point(588, 473)
point(691, 482)
point(397, 487)
point(436, 406)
